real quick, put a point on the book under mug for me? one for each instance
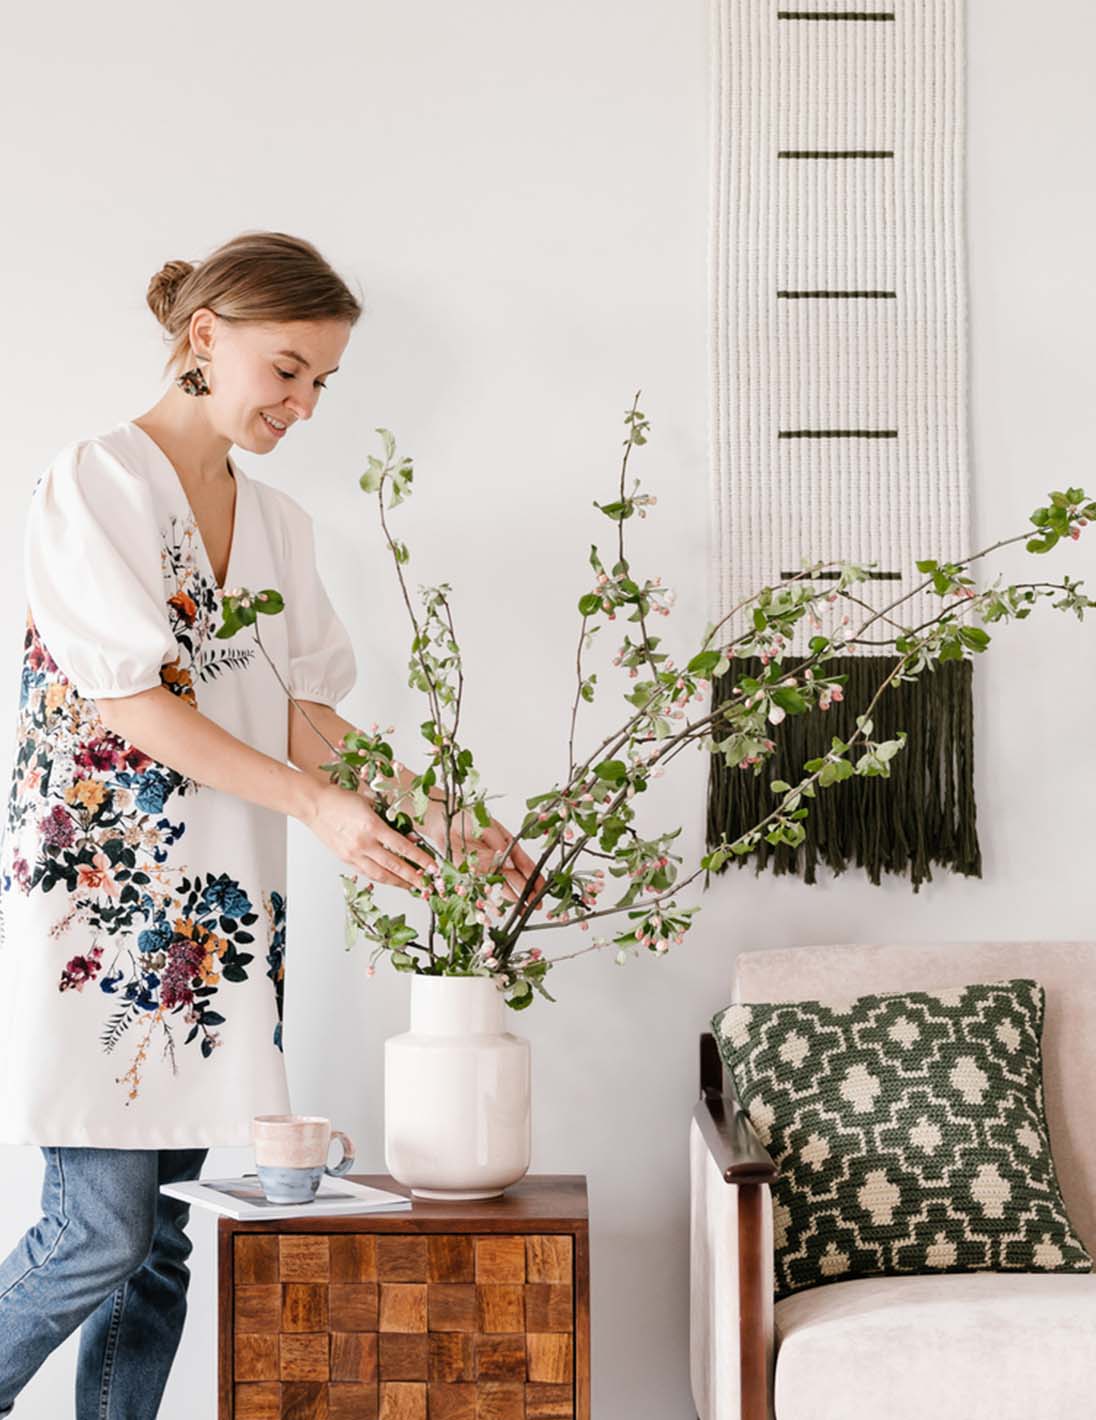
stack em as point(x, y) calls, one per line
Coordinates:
point(243, 1198)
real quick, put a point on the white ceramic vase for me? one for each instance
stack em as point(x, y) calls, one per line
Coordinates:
point(456, 1092)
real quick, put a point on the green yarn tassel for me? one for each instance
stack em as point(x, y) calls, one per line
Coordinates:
point(922, 813)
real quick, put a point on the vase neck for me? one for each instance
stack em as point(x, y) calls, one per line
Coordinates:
point(455, 1005)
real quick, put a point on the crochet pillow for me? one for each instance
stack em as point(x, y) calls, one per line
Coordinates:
point(909, 1132)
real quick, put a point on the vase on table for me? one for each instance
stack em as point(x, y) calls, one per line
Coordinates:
point(457, 1122)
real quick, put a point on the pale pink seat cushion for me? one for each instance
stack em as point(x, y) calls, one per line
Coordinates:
point(960, 1346)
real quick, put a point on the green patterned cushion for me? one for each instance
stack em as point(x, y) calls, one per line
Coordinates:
point(909, 1132)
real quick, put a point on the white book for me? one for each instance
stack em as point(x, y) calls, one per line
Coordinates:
point(243, 1198)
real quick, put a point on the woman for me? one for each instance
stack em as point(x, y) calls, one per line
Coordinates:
point(142, 873)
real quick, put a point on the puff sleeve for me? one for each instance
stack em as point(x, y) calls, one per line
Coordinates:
point(322, 666)
point(93, 573)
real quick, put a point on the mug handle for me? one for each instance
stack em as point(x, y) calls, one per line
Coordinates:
point(347, 1154)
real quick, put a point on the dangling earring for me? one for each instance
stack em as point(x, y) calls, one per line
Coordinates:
point(193, 381)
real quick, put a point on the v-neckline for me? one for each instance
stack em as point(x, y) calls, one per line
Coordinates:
point(237, 477)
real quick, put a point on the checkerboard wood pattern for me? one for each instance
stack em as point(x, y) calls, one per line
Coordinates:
point(434, 1325)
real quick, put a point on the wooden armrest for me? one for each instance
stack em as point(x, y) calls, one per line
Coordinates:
point(725, 1125)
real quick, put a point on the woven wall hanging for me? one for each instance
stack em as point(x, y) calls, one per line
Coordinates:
point(839, 413)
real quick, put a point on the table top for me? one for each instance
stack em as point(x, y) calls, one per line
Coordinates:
point(537, 1200)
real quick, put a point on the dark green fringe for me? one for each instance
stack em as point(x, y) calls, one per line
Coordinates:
point(923, 812)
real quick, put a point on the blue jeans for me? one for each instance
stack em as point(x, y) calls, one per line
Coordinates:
point(108, 1255)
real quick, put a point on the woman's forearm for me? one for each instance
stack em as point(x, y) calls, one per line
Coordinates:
point(177, 734)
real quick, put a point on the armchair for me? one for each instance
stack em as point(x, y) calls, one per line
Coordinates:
point(956, 1346)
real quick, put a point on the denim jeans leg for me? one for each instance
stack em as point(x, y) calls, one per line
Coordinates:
point(98, 1213)
point(128, 1344)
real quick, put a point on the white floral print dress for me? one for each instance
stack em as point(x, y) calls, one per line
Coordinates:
point(143, 914)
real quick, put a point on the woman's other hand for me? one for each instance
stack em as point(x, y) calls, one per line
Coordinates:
point(485, 851)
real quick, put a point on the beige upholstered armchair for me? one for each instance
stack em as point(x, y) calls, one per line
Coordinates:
point(956, 1346)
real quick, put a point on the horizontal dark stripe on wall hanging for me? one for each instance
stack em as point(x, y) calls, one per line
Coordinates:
point(833, 576)
point(835, 15)
point(837, 153)
point(839, 433)
point(837, 295)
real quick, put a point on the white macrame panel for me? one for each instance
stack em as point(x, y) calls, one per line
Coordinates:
point(839, 302)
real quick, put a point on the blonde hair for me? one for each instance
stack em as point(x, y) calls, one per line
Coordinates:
point(256, 276)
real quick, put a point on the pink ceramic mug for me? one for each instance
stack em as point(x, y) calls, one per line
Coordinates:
point(291, 1154)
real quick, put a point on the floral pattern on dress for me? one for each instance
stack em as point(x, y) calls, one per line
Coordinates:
point(91, 812)
point(275, 957)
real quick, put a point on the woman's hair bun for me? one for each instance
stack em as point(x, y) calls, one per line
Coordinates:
point(164, 286)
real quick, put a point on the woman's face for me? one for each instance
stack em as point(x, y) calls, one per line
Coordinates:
point(259, 373)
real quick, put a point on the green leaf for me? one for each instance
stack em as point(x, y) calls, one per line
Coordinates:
point(789, 700)
point(589, 603)
point(370, 480)
point(611, 770)
point(230, 624)
point(521, 996)
point(269, 601)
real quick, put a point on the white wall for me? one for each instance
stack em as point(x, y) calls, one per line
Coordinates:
point(522, 191)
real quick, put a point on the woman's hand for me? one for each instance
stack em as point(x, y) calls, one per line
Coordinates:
point(354, 831)
point(485, 850)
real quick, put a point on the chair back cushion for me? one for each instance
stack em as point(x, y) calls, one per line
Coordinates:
point(909, 1128)
point(1065, 970)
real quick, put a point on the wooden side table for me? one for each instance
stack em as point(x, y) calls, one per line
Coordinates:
point(451, 1311)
